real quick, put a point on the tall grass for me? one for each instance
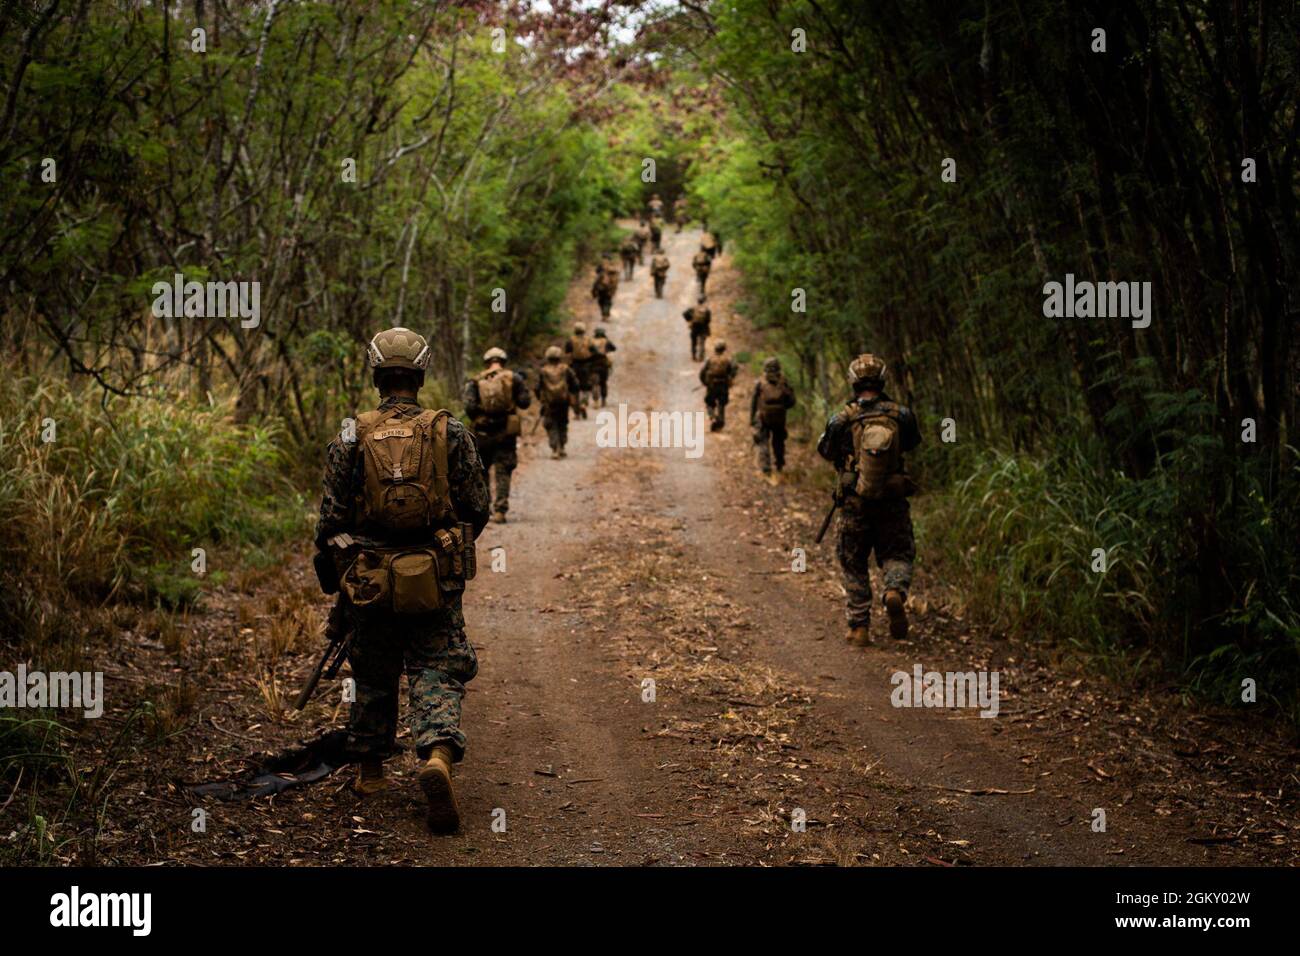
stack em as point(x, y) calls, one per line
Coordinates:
point(115, 503)
point(1021, 534)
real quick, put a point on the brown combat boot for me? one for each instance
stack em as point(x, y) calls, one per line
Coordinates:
point(896, 605)
point(859, 636)
point(370, 779)
point(435, 781)
point(499, 517)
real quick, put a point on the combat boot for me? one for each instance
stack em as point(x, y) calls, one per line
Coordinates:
point(859, 636)
point(896, 605)
point(370, 779)
point(435, 781)
point(499, 517)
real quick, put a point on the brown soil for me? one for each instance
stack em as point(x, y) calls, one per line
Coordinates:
point(629, 565)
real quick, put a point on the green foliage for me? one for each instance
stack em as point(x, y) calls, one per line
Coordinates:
point(120, 497)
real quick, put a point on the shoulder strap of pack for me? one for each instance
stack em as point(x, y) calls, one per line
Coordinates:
point(441, 480)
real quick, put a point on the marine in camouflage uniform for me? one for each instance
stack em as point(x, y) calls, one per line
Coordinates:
point(698, 319)
point(497, 446)
point(717, 374)
point(431, 647)
point(604, 364)
point(772, 398)
point(556, 402)
point(882, 525)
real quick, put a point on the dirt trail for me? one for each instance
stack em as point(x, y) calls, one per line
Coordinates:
point(624, 566)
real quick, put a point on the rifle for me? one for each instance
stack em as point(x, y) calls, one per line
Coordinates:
point(837, 499)
point(330, 661)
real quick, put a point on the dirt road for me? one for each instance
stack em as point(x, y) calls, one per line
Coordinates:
point(766, 738)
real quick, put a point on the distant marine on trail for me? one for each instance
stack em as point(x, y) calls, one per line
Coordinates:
point(717, 375)
point(404, 500)
point(642, 236)
point(773, 397)
point(680, 214)
point(603, 364)
point(629, 251)
point(702, 263)
point(659, 266)
point(492, 402)
point(698, 317)
point(866, 441)
point(710, 243)
point(656, 234)
point(604, 285)
point(582, 356)
point(557, 392)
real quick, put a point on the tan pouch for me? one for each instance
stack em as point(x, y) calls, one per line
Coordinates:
point(366, 580)
point(415, 582)
point(513, 425)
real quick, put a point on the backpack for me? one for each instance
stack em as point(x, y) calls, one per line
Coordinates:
point(496, 391)
point(701, 262)
point(581, 350)
point(717, 370)
point(659, 265)
point(771, 401)
point(554, 380)
point(405, 461)
point(699, 318)
point(877, 449)
point(707, 241)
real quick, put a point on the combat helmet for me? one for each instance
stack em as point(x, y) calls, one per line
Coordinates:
point(495, 354)
point(579, 328)
point(772, 364)
point(720, 346)
point(554, 354)
point(600, 332)
point(398, 348)
point(867, 371)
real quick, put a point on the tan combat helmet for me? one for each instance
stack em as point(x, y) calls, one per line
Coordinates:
point(495, 354)
point(720, 346)
point(398, 348)
point(554, 354)
point(867, 371)
point(579, 329)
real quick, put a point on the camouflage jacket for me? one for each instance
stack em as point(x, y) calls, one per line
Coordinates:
point(345, 475)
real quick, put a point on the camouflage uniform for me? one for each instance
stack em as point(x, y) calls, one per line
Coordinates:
point(497, 450)
point(604, 365)
point(602, 291)
point(698, 319)
point(883, 525)
point(629, 253)
point(555, 415)
point(702, 263)
point(717, 394)
point(432, 648)
point(769, 422)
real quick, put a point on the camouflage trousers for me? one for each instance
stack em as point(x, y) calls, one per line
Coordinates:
point(702, 277)
point(555, 418)
point(659, 284)
point(884, 527)
point(439, 661)
point(499, 462)
point(715, 400)
point(770, 442)
point(601, 385)
point(604, 301)
point(699, 335)
point(628, 266)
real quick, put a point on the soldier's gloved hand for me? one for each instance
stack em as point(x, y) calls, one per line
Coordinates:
point(341, 541)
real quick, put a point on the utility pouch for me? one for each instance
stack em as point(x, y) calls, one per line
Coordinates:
point(415, 582)
point(469, 552)
point(366, 580)
point(514, 425)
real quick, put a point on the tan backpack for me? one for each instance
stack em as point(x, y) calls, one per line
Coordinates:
point(659, 265)
point(405, 459)
point(771, 401)
point(700, 318)
point(555, 383)
point(496, 391)
point(877, 448)
point(707, 241)
point(581, 348)
point(701, 262)
point(717, 370)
